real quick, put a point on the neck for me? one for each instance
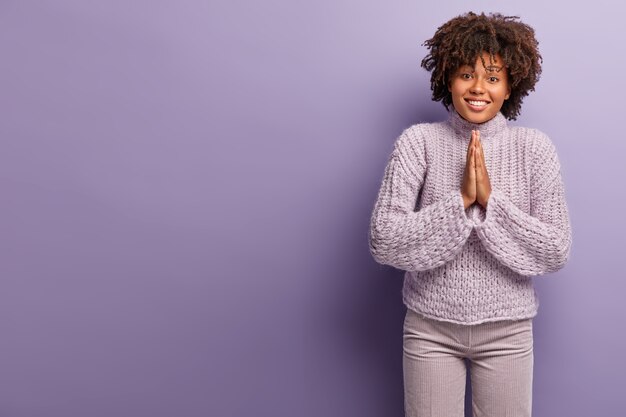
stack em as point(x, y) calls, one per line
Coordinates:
point(487, 129)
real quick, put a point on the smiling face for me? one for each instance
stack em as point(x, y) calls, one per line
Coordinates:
point(478, 92)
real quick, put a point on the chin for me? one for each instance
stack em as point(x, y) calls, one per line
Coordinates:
point(481, 120)
point(477, 118)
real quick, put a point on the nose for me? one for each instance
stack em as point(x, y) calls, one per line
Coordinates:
point(477, 87)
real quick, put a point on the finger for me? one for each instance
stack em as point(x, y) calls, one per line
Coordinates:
point(472, 170)
point(481, 166)
point(471, 143)
point(481, 154)
point(479, 145)
point(470, 146)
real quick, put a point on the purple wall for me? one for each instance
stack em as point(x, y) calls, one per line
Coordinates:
point(186, 191)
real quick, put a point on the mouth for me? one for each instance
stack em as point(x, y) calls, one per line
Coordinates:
point(477, 105)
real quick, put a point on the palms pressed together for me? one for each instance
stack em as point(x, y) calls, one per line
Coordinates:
point(475, 186)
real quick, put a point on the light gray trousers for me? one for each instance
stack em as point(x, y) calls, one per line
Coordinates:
point(500, 358)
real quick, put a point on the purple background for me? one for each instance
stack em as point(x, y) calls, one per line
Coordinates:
point(186, 191)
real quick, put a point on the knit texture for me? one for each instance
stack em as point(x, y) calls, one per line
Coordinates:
point(471, 265)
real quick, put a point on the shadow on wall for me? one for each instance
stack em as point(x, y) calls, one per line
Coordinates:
point(363, 314)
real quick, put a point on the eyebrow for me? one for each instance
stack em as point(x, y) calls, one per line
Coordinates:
point(490, 68)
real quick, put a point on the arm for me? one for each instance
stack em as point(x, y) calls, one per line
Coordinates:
point(535, 243)
point(414, 240)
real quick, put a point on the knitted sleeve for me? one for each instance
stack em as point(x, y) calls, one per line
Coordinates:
point(413, 240)
point(532, 243)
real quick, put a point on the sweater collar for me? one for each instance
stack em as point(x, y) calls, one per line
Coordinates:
point(488, 129)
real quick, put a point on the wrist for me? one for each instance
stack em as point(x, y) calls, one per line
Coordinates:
point(466, 201)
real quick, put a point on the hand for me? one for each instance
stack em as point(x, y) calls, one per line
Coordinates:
point(483, 185)
point(468, 186)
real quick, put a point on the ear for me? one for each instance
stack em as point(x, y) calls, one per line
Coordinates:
point(508, 94)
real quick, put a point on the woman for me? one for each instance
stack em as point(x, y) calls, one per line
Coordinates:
point(472, 209)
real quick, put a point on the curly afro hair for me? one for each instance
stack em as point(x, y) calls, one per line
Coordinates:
point(463, 39)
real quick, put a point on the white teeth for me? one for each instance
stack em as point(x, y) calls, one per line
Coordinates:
point(477, 103)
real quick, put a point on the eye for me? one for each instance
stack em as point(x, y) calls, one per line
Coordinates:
point(466, 76)
point(493, 79)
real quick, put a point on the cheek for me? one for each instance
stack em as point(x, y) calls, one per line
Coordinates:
point(501, 93)
point(455, 91)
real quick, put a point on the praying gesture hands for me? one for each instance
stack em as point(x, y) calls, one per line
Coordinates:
point(475, 185)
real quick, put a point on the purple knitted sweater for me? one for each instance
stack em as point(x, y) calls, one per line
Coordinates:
point(472, 265)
